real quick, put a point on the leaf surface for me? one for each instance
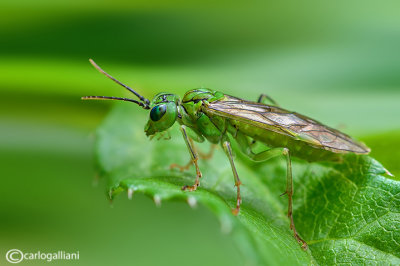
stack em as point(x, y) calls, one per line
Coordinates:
point(347, 213)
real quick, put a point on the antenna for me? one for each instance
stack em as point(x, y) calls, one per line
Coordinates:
point(147, 102)
point(144, 105)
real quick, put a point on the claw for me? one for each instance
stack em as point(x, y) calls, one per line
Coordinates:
point(304, 245)
point(190, 188)
point(235, 211)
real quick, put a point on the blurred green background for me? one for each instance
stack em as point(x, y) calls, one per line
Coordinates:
point(338, 62)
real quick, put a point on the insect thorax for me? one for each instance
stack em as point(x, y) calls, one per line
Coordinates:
point(197, 95)
point(191, 113)
point(193, 100)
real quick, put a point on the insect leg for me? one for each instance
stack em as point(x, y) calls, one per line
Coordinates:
point(228, 150)
point(205, 156)
point(194, 157)
point(268, 154)
point(208, 155)
point(192, 135)
point(181, 168)
point(289, 192)
point(245, 146)
point(264, 97)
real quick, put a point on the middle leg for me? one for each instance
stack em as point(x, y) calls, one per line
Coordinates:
point(205, 156)
point(210, 154)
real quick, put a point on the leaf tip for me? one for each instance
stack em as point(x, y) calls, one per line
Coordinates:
point(388, 173)
point(130, 193)
point(157, 200)
point(192, 201)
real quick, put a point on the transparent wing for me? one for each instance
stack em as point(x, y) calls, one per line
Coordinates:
point(285, 122)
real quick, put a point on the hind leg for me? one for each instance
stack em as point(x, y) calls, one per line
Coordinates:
point(289, 192)
point(245, 146)
point(265, 98)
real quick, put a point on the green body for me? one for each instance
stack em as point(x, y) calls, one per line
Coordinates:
point(194, 112)
point(297, 148)
point(205, 114)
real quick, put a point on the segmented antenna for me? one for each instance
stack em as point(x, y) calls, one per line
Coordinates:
point(145, 102)
point(144, 105)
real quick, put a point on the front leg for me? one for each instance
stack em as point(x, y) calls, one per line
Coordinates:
point(194, 159)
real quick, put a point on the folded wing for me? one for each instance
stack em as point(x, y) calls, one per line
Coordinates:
point(288, 123)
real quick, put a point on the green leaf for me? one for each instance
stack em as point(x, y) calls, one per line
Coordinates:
point(348, 213)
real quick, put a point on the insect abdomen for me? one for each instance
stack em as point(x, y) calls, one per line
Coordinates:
point(297, 148)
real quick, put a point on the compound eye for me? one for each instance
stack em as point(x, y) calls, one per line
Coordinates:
point(157, 112)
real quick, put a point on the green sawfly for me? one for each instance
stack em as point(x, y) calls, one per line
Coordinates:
point(205, 114)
